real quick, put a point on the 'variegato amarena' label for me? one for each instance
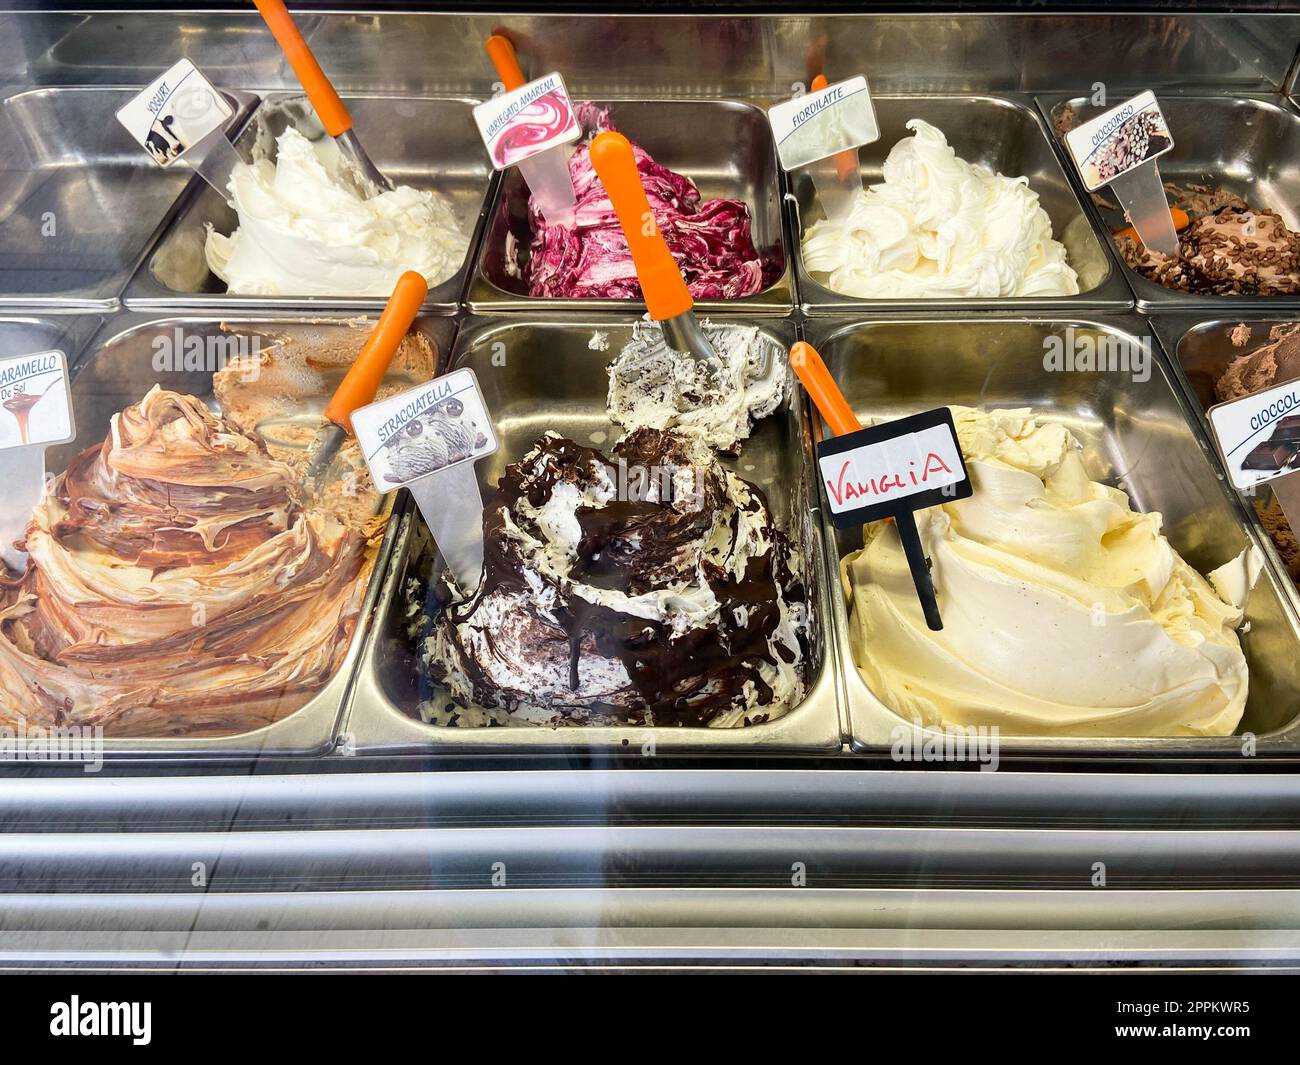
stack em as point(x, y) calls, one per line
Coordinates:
point(527, 121)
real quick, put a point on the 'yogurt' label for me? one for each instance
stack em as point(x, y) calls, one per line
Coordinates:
point(174, 113)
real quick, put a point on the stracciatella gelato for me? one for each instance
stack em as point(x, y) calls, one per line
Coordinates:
point(307, 228)
point(650, 587)
point(714, 401)
point(939, 227)
point(1064, 611)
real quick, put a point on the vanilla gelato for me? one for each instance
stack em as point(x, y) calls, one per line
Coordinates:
point(306, 227)
point(939, 227)
point(715, 402)
point(1065, 612)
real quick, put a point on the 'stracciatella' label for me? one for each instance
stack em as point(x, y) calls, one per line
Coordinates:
point(424, 430)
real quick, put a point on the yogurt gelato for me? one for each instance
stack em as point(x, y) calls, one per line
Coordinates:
point(307, 228)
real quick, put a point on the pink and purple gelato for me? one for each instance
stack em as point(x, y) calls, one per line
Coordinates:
point(710, 239)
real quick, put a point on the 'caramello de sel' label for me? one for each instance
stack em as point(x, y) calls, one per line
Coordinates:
point(833, 119)
point(527, 121)
point(424, 430)
point(35, 407)
point(1122, 139)
point(174, 113)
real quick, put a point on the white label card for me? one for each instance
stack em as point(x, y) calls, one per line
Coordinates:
point(833, 119)
point(424, 430)
point(903, 465)
point(1259, 435)
point(174, 113)
point(527, 121)
point(35, 404)
point(1122, 139)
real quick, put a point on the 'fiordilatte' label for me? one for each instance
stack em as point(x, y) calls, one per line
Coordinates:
point(903, 465)
point(527, 121)
point(1259, 435)
point(833, 119)
point(174, 113)
point(424, 430)
point(35, 405)
point(1121, 140)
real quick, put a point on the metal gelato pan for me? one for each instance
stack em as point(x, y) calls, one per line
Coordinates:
point(80, 201)
point(724, 146)
point(1006, 135)
point(543, 374)
point(428, 143)
point(1249, 145)
point(1200, 351)
point(132, 353)
point(1138, 435)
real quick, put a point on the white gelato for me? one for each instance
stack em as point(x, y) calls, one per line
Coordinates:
point(306, 229)
point(716, 403)
point(1064, 611)
point(939, 227)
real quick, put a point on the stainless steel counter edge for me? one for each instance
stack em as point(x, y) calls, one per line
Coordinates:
point(647, 928)
point(198, 803)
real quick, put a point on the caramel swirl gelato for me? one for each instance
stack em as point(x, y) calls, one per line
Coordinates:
point(177, 583)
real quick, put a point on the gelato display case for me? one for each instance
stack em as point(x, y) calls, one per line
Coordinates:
point(606, 678)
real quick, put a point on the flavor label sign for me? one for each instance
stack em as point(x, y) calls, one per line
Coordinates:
point(174, 113)
point(903, 465)
point(1259, 435)
point(424, 430)
point(833, 119)
point(1121, 140)
point(527, 121)
point(35, 406)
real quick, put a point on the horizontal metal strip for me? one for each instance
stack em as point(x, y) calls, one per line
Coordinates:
point(679, 856)
point(387, 799)
point(236, 913)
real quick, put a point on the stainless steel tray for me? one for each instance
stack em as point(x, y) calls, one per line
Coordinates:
point(1200, 351)
point(117, 369)
point(551, 379)
point(1140, 434)
point(429, 143)
point(80, 201)
point(724, 146)
point(1004, 133)
point(68, 333)
point(1248, 144)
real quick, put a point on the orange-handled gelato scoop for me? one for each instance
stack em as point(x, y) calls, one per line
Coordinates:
point(839, 416)
point(821, 387)
point(666, 294)
point(324, 99)
point(502, 53)
point(361, 383)
point(846, 162)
